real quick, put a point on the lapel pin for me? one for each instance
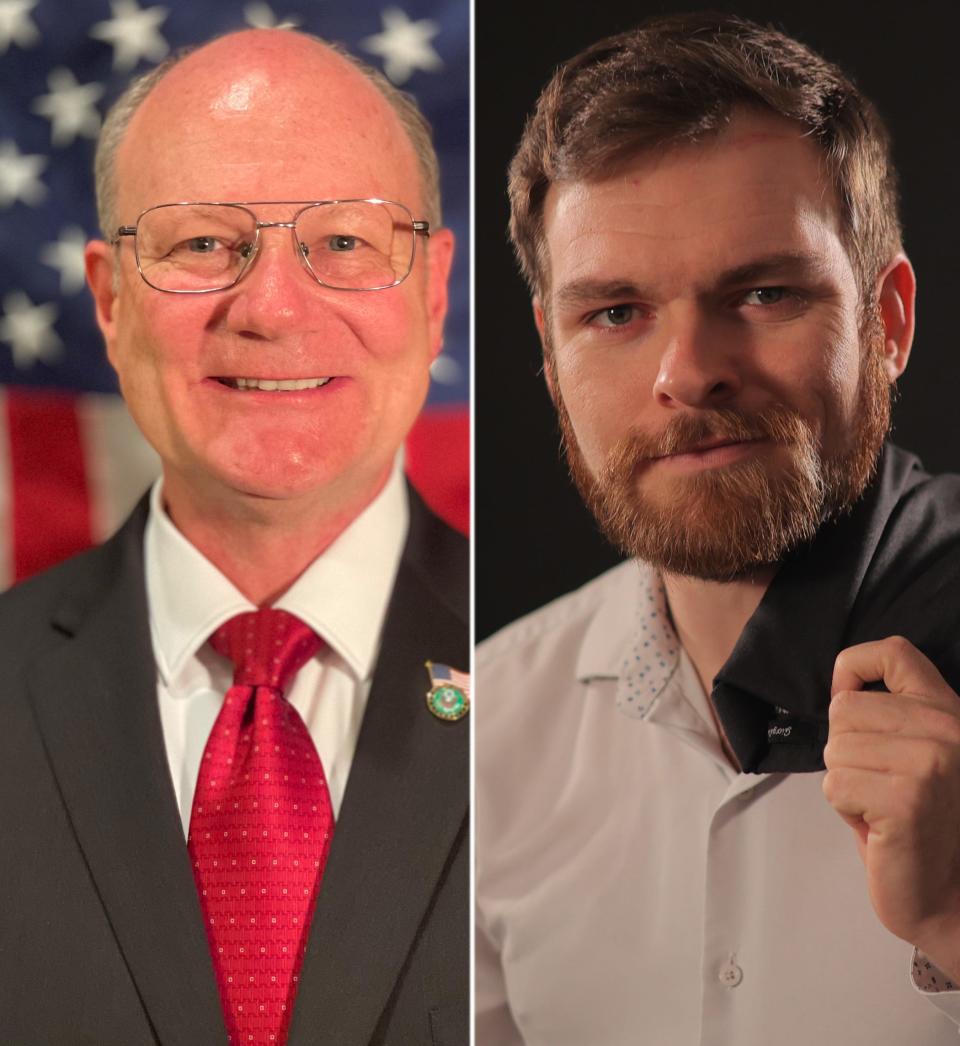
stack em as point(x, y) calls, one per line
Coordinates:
point(449, 694)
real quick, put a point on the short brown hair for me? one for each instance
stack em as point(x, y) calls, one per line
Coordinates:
point(675, 79)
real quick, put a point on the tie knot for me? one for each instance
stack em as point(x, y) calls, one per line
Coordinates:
point(267, 647)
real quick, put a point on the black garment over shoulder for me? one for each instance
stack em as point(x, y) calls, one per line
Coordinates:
point(889, 567)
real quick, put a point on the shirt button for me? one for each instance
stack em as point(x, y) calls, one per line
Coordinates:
point(730, 974)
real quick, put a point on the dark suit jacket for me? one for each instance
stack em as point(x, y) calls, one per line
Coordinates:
point(101, 936)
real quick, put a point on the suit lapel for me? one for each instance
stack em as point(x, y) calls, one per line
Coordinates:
point(404, 807)
point(96, 706)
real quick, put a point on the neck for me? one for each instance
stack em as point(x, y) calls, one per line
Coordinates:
point(262, 545)
point(710, 615)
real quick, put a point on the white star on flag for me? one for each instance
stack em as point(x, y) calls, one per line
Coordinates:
point(66, 256)
point(16, 25)
point(70, 107)
point(20, 176)
point(133, 34)
point(28, 328)
point(261, 16)
point(445, 370)
point(403, 45)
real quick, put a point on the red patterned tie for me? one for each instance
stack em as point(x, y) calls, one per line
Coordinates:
point(260, 828)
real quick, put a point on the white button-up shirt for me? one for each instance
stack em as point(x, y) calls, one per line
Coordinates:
point(633, 889)
point(342, 595)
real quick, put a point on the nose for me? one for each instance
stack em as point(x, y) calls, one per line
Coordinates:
point(698, 366)
point(276, 295)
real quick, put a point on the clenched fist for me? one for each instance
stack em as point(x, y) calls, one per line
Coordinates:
point(893, 774)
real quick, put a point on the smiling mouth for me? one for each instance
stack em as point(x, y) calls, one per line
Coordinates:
point(273, 384)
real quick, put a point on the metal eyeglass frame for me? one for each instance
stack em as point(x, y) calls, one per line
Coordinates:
point(419, 227)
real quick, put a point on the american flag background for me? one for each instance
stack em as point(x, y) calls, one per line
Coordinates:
point(72, 463)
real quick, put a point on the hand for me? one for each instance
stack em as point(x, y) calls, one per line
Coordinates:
point(893, 774)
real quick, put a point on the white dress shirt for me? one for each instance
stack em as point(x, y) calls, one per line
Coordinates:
point(342, 595)
point(632, 887)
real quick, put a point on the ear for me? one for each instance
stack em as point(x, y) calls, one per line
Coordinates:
point(896, 296)
point(439, 263)
point(549, 368)
point(99, 261)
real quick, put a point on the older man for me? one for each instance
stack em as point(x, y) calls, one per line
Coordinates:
point(706, 214)
point(230, 813)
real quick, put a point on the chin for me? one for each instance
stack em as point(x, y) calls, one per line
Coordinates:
point(339, 479)
point(280, 481)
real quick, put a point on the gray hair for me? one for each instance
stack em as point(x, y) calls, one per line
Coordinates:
point(121, 113)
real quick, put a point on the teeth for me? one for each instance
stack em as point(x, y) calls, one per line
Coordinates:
point(272, 385)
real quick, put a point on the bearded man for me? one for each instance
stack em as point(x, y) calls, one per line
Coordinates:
point(706, 214)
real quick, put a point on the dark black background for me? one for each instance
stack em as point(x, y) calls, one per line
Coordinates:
point(533, 538)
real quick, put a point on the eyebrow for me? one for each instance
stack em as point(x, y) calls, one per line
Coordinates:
point(585, 291)
point(783, 263)
point(780, 265)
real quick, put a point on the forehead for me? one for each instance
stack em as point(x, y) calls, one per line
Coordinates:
point(264, 115)
point(757, 189)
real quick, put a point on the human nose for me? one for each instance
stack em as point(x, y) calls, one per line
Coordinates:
point(698, 366)
point(275, 295)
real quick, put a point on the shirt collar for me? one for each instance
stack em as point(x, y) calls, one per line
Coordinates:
point(645, 664)
point(652, 658)
point(342, 595)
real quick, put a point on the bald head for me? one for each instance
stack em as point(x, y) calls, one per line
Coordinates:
point(230, 102)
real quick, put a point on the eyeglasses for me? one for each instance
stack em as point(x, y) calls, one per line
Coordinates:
point(348, 245)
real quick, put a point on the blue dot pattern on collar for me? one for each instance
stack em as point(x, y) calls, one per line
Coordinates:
point(654, 654)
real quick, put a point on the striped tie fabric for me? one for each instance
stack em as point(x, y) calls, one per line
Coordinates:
point(260, 827)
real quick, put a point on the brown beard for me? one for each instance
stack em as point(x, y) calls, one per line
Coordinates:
point(725, 523)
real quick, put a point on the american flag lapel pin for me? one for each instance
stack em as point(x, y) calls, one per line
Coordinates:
point(449, 694)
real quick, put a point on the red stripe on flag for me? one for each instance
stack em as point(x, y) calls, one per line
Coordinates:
point(438, 463)
point(51, 507)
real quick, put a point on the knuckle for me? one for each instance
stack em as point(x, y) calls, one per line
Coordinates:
point(899, 646)
point(840, 661)
point(936, 760)
point(836, 751)
point(833, 785)
point(841, 705)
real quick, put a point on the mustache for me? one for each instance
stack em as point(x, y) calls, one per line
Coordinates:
point(686, 433)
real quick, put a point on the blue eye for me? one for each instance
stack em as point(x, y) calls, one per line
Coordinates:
point(203, 244)
point(765, 296)
point(614, 316)
point(342, 243)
